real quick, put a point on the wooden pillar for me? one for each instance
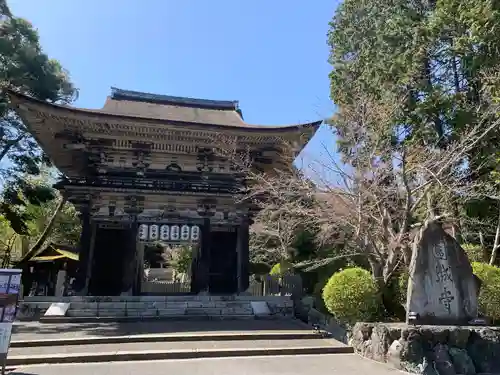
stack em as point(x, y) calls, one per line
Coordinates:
point(130, 259)
point(243, 255)
point(90, 261)
point(140, 268)
point(203, 270)
point(84, 250)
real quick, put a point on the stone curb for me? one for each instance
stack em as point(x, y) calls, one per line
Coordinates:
point(165, 338)
point(122, 319)
point(134, 319)
point(157, 355)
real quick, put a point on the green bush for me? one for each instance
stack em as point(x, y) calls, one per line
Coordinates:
point(475, 253)
point(259, 268)
point(403, 287)
point(352, 295)
point(489, 296)
point(317, 293)
point(280, 269)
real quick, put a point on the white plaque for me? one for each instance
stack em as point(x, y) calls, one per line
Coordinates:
point(57, 309)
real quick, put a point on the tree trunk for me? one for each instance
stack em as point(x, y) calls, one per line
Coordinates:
point(391, 299)
point(8, 145)
point(47, 231)
point(25, 245)
point(388, 291)
point(496, 244)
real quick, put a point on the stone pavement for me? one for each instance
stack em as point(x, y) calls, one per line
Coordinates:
point(36, 331)
point(335, 364)
point(175, 346)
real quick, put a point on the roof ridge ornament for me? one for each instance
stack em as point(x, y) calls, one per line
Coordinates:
point(120, 94)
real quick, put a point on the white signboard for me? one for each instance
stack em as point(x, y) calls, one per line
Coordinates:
point(5, 333)
point(10, 284)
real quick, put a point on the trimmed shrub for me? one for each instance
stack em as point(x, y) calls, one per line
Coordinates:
point(489, 296)
point(280, 269)
point(352, 295)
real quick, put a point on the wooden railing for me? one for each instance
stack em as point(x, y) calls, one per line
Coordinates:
point(267, 286)
point(276, 285)
point(165, 287)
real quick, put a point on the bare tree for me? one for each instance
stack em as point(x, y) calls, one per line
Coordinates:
point(374, 202)
point(391, 188)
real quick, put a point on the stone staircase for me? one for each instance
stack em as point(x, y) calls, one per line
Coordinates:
point(34, 343)
point(155, 307)
point(162, 309)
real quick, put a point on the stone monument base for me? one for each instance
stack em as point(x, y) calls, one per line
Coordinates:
point(429, 349)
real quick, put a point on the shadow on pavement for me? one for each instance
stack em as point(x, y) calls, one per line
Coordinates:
point(36, 330)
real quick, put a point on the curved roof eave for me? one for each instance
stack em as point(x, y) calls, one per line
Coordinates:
point(19, 98)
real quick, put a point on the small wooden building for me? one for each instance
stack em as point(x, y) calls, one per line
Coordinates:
point(40, 271)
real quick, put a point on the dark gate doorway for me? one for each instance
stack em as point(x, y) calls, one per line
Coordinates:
point(223, 262)
point(113, 248)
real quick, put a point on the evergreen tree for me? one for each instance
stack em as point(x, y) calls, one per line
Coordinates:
point(25, 68)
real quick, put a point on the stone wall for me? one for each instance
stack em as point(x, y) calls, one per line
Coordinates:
point(31, 310)
point(443, 350)
point(304, 311)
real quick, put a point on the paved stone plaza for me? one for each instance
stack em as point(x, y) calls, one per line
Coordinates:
point(333, 364)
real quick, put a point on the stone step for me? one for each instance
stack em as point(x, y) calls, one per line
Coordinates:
point(181, 298)
point(158, 305)
point(159, 312)
point(123, 313)
point(163, 337)
point(128, 319)
point(170, 350)
point(122, 307)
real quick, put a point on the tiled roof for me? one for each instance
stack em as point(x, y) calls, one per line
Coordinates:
point(119, 94)
point(133, 104)
point(173, 111)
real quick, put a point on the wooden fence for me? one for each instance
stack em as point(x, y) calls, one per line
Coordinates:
point(160, 287)
point(273, 285)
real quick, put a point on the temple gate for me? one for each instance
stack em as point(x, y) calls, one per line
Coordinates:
point(143, 169)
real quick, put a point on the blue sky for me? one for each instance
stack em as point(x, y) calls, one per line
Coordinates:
point(269, 55)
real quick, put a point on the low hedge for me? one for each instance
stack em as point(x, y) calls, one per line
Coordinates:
point(489, 295)
point(352, 295)
point(280, 269)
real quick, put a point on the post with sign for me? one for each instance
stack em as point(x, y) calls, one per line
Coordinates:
point(10, 284)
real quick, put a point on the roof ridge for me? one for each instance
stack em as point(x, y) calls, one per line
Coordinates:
point(120, 94)
point(18, 99)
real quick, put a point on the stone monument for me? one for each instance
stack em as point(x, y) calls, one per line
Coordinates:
point(441, 288)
